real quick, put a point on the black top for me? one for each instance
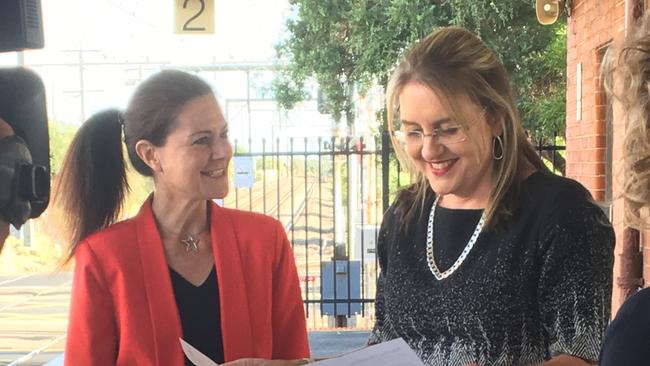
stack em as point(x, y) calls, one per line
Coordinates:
point(198, 307)
point(627, 339)
point(452, 230)
point(537, 287)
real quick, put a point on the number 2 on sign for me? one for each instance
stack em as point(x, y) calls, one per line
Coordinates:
point(193, 16)
point(186, 26)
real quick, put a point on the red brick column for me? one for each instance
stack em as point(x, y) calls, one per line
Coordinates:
point(593, 25)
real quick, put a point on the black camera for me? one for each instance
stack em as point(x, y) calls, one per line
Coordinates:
point(25, 156)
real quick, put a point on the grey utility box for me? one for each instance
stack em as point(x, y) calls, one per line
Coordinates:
point(336, 273)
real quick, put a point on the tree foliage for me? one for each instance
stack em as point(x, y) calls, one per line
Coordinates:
point(348, 45)
point(61, 134)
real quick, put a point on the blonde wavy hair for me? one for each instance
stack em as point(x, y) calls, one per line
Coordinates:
point(459, 66)
point(626, 75)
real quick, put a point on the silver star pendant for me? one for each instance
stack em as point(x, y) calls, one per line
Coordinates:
point(191, 243)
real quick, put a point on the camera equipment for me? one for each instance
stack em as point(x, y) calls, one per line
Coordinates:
point(24, 157)
point(21, 25)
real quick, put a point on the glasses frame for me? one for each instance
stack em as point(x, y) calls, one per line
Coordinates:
point(400, 135)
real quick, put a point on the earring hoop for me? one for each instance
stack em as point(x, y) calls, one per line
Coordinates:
point(497, 140)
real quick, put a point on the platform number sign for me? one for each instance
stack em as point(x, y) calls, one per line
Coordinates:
point(194, 16)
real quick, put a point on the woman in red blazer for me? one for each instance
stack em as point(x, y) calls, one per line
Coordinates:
point(221, 279)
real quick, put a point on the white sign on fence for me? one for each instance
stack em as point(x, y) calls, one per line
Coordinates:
point(244, 171)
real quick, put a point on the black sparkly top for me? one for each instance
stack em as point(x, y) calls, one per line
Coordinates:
point(537, 287)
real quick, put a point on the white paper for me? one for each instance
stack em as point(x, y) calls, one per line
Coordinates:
point(391, 353)
point(195, 356)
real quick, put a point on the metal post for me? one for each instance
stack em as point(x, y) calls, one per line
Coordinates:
point(250, 189)
point(362, 263)
point(248, 105)
point(292, 191)
point(385, 170)
point(320, 219)
point(236, 189)
point(82, 91)
point(306, 228)
point(264, 176)
point(277, 181)
point(334, 217)
point(348, 243)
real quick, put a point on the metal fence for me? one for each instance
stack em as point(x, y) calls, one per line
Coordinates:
point(551, 153)
point(330, 195)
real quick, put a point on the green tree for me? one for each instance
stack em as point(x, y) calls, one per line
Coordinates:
point(348, 45)
point(61, 134)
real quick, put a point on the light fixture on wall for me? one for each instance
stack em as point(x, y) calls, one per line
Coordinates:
point(548, 11)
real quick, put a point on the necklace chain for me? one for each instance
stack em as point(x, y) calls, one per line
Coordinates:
point(470, 244)
point(191, 241)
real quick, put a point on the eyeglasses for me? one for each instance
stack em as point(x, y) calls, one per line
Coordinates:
point(446, 135)
point(449, 134)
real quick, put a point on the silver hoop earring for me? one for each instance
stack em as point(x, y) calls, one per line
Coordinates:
point(497, 141)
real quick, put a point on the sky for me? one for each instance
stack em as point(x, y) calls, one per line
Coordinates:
point(246, 30)
point(139, 31)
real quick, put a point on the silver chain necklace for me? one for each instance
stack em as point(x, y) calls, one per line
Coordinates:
point(470, 244)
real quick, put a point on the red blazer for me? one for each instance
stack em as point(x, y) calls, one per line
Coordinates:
point(123, 310)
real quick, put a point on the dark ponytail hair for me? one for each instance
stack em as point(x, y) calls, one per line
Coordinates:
point(92, 183)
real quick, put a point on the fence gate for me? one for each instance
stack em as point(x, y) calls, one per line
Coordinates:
point(329, 195)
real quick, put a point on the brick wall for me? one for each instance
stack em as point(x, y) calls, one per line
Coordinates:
point(592, 27)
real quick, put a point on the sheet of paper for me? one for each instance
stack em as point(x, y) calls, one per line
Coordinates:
point(395, 352)
point(195, 356)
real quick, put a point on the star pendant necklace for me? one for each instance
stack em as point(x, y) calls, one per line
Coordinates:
point(190, 241)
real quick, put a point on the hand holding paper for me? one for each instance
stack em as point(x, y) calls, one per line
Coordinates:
point(263, 362)
point(199, 359)
point(391, 353)
point(195, 356)
point(395, 352)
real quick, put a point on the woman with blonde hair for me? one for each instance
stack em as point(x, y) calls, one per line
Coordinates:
point(627, 79)
point(487, 258)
